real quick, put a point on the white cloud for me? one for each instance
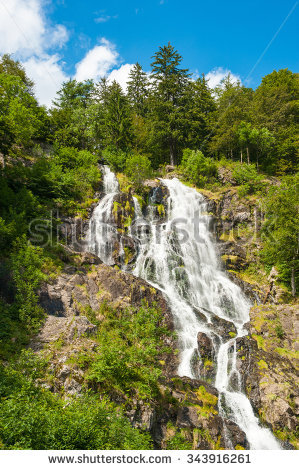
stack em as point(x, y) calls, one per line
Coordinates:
point(121, 75)
point(216, 75)
point(26, 33)
point(97, 62)
point(47, 74)
point(21, 27)
point(59, 36)
point(24, 30)
point(105, 18)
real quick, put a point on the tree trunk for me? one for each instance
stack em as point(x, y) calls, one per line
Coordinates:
point(248, 159)
point(241, 157)
point(293, 282)
point(172, 154)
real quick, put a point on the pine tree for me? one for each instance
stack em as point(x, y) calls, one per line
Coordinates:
point(138, 89)
point(73, 94)
point(115, 118)
point(101, 91)
point(199, 112)
point(71, 117)
point(169, 83)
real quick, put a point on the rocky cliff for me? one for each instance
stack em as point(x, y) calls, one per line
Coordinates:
point(185, 412)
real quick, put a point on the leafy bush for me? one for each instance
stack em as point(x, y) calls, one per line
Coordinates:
point(27, 262)
point(247, 176)
point(33, 418)
point(69, 174)
point(138, 168)
point(129, 346)
point(70, 158)
point(197, 168)
point(115, 158)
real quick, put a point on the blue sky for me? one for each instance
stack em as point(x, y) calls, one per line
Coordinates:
point(58, 39)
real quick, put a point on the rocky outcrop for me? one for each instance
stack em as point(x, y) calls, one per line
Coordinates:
point(157, 200)
point(206, 349)
point(268, 362)
point(86, 285)
point(225, 175)
point(221, 327)
point(236, 225)
point(190, 414)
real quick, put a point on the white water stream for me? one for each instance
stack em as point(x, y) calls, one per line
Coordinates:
point(179, 257)
point(102, 233)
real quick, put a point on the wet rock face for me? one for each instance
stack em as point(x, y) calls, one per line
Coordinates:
point(225, 329)
point(190, 410)
point(236, 224)
point(158, 201)
point(268, 362)
point(206, 349)
point(73, 232)
point(156, 195)
point(205, 346)
point(123, 211)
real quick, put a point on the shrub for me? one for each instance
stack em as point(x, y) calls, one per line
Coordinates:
point(69, 175)
point(115, 158)
point(138, 168)
point(248, 178)
point(129, 347)
point(27, 261)
point(197, 168)
point(33, 418)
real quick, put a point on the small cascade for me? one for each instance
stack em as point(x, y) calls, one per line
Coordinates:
point(179, 257)
point(102, 234)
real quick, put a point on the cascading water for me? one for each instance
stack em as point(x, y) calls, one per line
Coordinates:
point(179, 258)
point(101, 232)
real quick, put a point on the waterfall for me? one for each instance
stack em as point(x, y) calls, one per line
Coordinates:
point(179, 257)
point(102, 234)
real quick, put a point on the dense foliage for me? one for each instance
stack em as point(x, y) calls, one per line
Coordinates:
point(280, 230)
point(85, 423)
point(130, 343)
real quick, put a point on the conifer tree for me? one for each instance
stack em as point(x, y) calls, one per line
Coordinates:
point(116, 119)
point(138, 89)
point(169, 83)
point(199, 112)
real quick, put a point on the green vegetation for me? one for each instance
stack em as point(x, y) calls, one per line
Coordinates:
point(280, 230)
point(85, 423)
point(197, 168)
point(247, 176)
point(138, 169)
point(127, 359)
